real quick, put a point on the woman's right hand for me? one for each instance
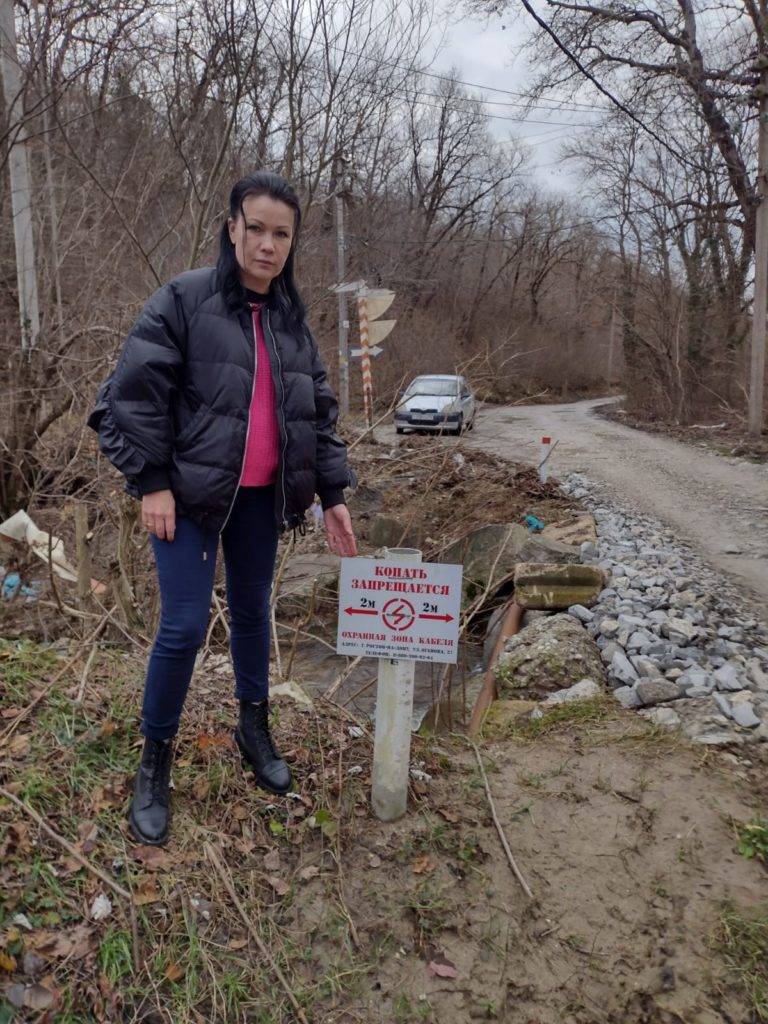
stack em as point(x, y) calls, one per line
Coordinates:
point(158, 514)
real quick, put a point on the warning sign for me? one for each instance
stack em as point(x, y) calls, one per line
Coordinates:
point(390, 610)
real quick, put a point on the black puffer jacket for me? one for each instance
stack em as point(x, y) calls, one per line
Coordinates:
point(174, 411)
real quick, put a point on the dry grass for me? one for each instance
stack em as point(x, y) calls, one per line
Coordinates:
point(742, 943)
point(196, 960)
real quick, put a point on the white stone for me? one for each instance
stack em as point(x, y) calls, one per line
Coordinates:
point(585, 689)
point(744, 716)
point(662, 716)
point(626, 696)
point(581, 613)
point(622, 669)
point(728, 677)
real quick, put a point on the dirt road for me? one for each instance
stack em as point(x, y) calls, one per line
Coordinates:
point(718, 507)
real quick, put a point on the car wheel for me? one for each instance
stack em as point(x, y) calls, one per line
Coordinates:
point(459, 426)
point(399, 430)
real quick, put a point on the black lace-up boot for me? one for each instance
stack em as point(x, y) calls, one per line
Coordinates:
point(151, 806)
point(255, 742)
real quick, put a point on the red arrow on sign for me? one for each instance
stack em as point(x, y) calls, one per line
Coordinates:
point(440, 618)
point(361, 611)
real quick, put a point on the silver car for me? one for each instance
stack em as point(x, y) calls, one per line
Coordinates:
point(438, 402)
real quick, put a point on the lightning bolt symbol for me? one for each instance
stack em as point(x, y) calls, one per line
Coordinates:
point(398, 614)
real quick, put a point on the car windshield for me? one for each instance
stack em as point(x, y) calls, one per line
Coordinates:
point(435, 388)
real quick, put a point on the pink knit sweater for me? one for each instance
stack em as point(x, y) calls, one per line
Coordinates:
point(261, 450)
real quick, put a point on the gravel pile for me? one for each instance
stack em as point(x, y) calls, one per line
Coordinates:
point(678, 641)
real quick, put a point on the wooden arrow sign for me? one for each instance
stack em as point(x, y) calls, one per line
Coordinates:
point(357, 352)
point(379, 329)
point(379, 301)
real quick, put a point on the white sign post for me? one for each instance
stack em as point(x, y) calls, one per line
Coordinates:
point(399, 610)
point(546, 451)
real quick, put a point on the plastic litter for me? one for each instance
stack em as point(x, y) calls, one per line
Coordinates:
point(11, 585)
point(533, 523)
point(31, 590)
point(317, 515)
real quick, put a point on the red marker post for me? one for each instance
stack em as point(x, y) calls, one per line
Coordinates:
point(546, 451)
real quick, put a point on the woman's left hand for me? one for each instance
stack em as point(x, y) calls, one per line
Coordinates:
point(339, 532)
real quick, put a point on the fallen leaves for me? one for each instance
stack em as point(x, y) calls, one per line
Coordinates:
point(16, 840)
point(174, 972)
point(87, 830)
point(70, 945)
point(104, 798)
point(276, 852)
point(215, 741)
point(32, 997)
point(271, 861)
point(153, 858)
point(201, 788)
point(20, 745)
point(7, 962)
point(280, 885)
point(422, 865)
point(448, 814)
point(146, 892)
point(444, 969)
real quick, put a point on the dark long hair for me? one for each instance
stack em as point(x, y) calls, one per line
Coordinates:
point(283, 293)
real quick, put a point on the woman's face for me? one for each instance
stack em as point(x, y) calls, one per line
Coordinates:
point(262, 236)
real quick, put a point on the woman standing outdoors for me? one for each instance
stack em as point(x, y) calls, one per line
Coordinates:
point(220, 416)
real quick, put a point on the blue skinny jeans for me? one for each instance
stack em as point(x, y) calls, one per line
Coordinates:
point(249, 542)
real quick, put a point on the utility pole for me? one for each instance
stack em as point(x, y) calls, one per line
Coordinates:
point(612, 336)
point(21, 192)
point(341, 270)
point(760, 300)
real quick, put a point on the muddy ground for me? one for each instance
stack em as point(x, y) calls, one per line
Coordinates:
point(628, 839)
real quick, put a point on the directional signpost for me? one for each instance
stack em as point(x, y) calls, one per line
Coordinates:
point(400, 610)
point(371, 303)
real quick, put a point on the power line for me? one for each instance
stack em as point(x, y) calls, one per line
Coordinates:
point(504, 103)
point(576, 105)
point(497, 117)
point(541, 136)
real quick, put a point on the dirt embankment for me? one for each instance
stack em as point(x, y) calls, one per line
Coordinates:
point(727, 436)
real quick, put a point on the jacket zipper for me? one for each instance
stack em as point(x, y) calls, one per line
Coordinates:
point(247, 431)
point(282, 418)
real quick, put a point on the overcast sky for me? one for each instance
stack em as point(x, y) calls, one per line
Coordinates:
point(490, 54)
